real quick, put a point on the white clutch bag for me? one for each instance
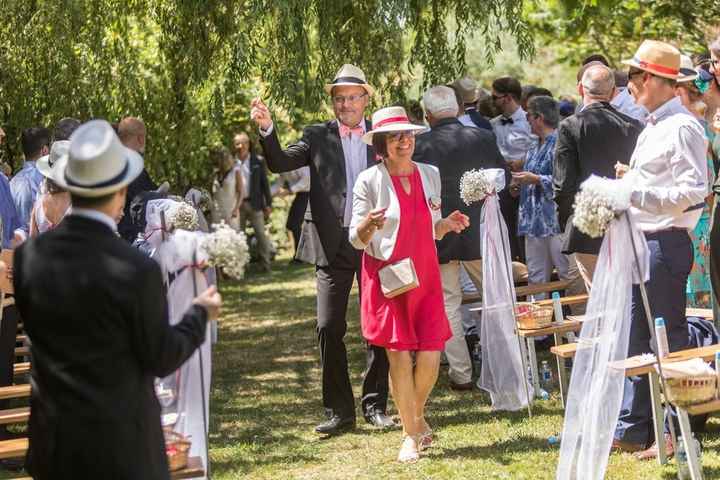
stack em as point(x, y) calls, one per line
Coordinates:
point(398, 278)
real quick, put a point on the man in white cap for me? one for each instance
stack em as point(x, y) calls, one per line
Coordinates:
point(95, 312)
point(336, 155)
point(669, 178)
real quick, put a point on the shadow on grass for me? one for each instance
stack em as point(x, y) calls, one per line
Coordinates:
point(502, 452)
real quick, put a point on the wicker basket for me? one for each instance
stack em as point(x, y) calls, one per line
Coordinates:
point(531, 317)
point(177, 448)
point(683, 391)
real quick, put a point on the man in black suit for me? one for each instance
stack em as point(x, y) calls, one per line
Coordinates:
point(257, 204)
point(590, 142)
point(455, 148)
point(94, 309)
point(133, 134)
point(336, 155)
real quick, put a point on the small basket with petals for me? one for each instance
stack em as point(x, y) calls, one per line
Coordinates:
point(684, 391)
point(532, 317)
point(177, 448)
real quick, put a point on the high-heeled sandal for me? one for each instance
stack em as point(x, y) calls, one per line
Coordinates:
point(409, 451)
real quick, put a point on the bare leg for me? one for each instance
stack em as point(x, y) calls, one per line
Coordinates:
point(427, 365)
point(403, 391)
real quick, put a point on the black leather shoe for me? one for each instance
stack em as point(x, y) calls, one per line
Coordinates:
point(380, 420)
point(336, 424)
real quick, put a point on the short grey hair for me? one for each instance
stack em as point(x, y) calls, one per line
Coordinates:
point(547, 107)
point(441, 102)
point(598, 82)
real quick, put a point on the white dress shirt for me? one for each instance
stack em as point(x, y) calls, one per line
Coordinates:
point(95, 215)
point(625, 103)
point(355, 151)
point(669, 170)
point(513, 139)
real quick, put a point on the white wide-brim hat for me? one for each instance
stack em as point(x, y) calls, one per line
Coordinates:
point(687, 70)
point(658, 58)
point(96, 163)
point(46, 162)
point(352, 76)
point(390, 119)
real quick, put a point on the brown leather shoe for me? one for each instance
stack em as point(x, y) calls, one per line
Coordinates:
point(620, 446)
point(652, 452)
point(461, 387)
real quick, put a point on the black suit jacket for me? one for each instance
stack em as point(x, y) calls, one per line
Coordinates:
point(143, 183)
point(94, 309)
point(589, 142)
point(259, 194)
point(454, 149)
point(320, 148)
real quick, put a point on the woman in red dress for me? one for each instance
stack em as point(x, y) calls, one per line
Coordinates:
point(396, 216)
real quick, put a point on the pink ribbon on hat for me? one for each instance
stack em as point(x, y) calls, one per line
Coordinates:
point(346, 131)
point(386, 121)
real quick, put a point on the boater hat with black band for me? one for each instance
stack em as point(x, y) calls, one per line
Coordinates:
point(659, 58)
point(96, 163)
point(349, 75)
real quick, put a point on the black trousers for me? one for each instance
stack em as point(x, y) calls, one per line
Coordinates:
point(334, 283)
point(296, 214)
point(715, 251)
point(509, 207)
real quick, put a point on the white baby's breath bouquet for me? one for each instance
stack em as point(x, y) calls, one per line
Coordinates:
point(183, 216)
point(227, 249)
point(476, 184)
point(599, 201)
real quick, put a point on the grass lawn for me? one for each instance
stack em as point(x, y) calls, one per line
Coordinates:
point(266, 400)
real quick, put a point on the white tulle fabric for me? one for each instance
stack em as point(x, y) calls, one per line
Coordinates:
point(175, 257)
point(502, 374)
point(596, 388)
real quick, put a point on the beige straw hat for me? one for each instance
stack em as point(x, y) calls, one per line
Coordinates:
point(658, 58)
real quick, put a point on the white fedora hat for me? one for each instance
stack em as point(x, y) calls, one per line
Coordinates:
point(687, 70)
point(46, 162)
point(97, 163)
point(658, 58)
point(467, 88)
point(349, 75)
point(390, 119)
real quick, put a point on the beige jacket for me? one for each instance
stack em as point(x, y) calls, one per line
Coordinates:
point(374, 189)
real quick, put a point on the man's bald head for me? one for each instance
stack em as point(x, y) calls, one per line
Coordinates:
point(598, 83)
point(132, 133)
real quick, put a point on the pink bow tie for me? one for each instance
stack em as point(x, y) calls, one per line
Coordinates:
point(346, 131)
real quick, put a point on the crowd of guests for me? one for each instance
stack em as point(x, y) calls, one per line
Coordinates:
point(658, 119)
point(379, 202)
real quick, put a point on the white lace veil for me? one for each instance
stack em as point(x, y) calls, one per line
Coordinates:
point(596, 388)
point(502, 374)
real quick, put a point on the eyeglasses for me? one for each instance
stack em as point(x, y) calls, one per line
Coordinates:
point(498, 97)
point(633, 72)
point(339, 99)
point(396, 136)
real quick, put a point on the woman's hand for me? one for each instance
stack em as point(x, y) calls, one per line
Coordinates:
point(455, 222)
point(374, 220)
point(621, 169)
point(526, 178)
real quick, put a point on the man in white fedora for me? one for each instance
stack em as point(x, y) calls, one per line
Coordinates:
point(336, 155)
point(669, 172)
point(95, 312)
point(468, 90)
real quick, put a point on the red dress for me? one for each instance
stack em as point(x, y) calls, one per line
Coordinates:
point(415, 320)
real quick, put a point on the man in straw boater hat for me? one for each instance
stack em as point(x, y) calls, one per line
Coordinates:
point(95, 311)
point(336, 155)
point(670, 186)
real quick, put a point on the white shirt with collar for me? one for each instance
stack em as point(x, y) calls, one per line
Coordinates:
point(669, 170)
point(625, 103)
point(96, 216)
point(514, 138)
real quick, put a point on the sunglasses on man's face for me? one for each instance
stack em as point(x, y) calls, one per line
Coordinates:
point(633, 72)
point(498, 97)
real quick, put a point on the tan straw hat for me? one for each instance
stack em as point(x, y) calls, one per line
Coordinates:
point(390, 119)
point(349, 75)
point(658, 58)
point(467, 88)
point(687, 70)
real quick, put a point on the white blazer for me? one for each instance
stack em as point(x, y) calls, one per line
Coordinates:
point(374, 189)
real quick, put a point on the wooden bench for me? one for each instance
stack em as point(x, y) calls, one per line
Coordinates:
point(566, 350)
point(15, 391)
point(21, 368)
point(14, 415)
point(15, 448)
point(525, 290)
point(193, 469)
